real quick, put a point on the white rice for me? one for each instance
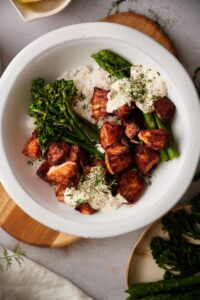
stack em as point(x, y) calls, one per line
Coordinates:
point(85, 79)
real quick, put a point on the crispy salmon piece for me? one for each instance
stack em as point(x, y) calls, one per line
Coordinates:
point(85, 209)
point(97, 162)
point(32, 147)
point(99, 101)
point(57, 153)
point(117, 158)
point(139, 118)
point(110, 134)
point(43, 170)
point(156, 139)
point(124, 112)
point(59, 191)
point(131, 129)
point(87, 170)
point(79, 156)
point(125, 140)
point(130, 185)
point(165, 109)
point(66, 174)
point(146, 158)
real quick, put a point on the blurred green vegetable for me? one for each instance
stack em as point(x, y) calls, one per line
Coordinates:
point(163, 288)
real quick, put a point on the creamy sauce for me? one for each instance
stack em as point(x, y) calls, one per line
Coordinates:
point(143, 87)
point(93, 189)
point(119, 95)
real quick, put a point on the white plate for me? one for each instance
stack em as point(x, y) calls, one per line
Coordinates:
point(142, 266)
point(48, 57)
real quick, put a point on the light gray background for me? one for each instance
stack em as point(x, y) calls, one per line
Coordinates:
point(99, 266)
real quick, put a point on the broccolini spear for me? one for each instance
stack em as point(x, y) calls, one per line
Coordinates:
point(111, 62)
point(55, 120)
point(190, 295)
point(171, 286)
point(181, 223)
point(171, 150)
point(176, 255)
point(151, 124)
point(118, 67)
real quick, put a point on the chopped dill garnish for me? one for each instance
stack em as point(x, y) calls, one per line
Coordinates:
point(8, 258)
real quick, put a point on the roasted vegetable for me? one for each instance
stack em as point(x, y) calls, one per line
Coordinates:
point(85, 209)
point(124, 112)
point(111, 62)
point(131, 129)
point(171, 150)
point(117, 158)
point(110, 134)
point(43, 170)
point(55, 120)
point(130, 185)
point(99, 100)
point(156, 139)
point(59, 191)
point(146, 158)
point(66, 174)
point(32, 147)
point(172, 286)
point(98, 163)
point(57, 152)
point(165, 109)
point(79, 156)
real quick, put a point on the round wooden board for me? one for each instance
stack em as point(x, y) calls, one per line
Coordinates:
point(16, 222)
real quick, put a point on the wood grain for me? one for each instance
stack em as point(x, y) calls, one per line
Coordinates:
point(144, 25)
point(16, 222)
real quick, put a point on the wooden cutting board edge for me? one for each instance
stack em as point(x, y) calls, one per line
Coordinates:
point(16, 222)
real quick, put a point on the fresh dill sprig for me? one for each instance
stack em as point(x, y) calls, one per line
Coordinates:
point(7, 258)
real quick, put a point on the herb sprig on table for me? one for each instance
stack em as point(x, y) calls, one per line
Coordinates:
point(55, 119)
point(8, 258)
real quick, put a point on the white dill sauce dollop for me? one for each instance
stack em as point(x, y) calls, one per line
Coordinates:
point(144, 87)
point(94, 190)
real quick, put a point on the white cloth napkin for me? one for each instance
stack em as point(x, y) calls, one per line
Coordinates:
point(34, 282)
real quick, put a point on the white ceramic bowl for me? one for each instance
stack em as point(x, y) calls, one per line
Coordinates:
point(48, 57)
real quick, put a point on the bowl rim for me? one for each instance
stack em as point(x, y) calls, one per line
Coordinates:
point(52, 220)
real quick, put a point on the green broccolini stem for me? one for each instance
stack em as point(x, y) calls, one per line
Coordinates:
point(148, 117)
point(75, 122)
point(151, 124)
point(180, 296)
point(88, 123)
point(172, 151)
point(92, 150)
point(111, 62)
point(175, 285)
